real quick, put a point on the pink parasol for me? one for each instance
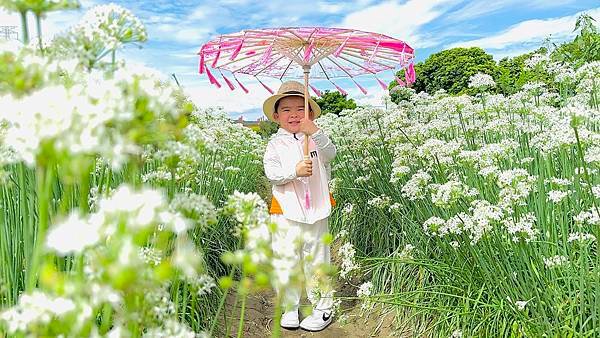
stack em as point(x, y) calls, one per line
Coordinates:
point(309, 52)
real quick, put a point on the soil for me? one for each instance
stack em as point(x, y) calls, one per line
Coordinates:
point(260, 312)
point(258, 322)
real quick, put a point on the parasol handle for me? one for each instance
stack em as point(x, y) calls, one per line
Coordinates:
point(306, 69)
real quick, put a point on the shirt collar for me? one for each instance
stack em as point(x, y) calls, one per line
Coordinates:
point(283, 132)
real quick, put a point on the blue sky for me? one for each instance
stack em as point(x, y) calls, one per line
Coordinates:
point(177, 29)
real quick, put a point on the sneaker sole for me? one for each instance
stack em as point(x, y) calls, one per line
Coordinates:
point(316, 330)
point(291, 328)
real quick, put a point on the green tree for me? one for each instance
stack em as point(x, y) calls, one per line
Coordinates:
point(513, 74)
point(334, 102)
point(586, 45)
point(267, 128)
point(451, 69)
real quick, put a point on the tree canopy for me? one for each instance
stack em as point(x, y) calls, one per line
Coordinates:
point(334, 102)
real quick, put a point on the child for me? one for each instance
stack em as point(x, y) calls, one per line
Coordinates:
point(301, 201)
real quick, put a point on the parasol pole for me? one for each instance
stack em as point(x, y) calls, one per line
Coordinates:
point(306, 69)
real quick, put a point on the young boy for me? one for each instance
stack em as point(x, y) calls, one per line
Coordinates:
point(301, 201)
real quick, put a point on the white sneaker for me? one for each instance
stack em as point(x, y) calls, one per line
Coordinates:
point(317, 321)
point(290, 320)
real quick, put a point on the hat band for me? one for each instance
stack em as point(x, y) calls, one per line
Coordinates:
point(293, 92)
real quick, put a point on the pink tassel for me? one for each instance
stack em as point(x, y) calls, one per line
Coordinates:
point(308, 51)
point(212, 79)
point(237, 50)
point(231, 86)
point(381, 83)
point(410, 74)
point(315, 90)
point(399, 81)
point(266, 87)
point(339, 50)
point(201, 66)
point(214, 63)
point(360, 87)
point(241, 85)
point(342, 91)
point(306, 198)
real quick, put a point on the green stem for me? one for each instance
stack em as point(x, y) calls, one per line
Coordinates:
point(38, 23)
point(585, 171)
point(113, 59)
point(221, 304)
point(24, 28)
point(277, 319)
point(242, 315)
point(44, 178)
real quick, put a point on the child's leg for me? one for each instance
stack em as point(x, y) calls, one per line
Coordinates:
point(316, 253)
point(286, 260)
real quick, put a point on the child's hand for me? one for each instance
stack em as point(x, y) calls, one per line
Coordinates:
point(304, 168)
point(308, 127)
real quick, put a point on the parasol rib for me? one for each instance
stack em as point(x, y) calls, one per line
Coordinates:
point(324, 72)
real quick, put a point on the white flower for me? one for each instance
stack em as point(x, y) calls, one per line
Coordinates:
point(522, 229)
point(347, 253)
point(555, 261)
point(205, 284)
point(415, 187)
point(364, 290)
point(379, 202)
point(170, 328)
point(481, 80)
point(447, 194)
point(33, 309)
point(592, 154)
point(406, 252)
point(73, 235)
point(556, 195)
point(456, 334)
point(580, 237)
point(186, 257)
point(433, 225)
point(536, 59)
point(515, 184)
point(520, 304)
point(150, 255)
point(590, 217)
point(534, 88)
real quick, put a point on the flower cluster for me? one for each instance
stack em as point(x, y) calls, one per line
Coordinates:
point(481, 80)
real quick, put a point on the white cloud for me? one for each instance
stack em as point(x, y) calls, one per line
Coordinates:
point(529, 32)
point(331, 8)
point(397, 20)
point(478, 8)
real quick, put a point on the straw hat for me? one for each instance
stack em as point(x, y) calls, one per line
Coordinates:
point(289, 88)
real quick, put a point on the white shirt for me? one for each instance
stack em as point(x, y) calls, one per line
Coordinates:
point(283, 152)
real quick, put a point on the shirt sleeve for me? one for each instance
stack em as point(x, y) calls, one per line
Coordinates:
point(276, 173)
point(324, 144)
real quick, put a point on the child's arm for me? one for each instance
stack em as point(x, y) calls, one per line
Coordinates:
point(274, 171)
point(324, 144)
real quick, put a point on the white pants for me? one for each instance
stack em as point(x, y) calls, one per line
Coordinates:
point(295, 243)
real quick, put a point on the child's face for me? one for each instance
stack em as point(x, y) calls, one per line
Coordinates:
point(289, 113)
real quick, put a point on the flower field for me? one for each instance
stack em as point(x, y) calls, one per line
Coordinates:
point(126, 211)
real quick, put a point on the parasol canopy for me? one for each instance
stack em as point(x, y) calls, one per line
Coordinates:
point(292, 52)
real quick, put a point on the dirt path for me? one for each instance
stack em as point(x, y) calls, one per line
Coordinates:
point(260, 309)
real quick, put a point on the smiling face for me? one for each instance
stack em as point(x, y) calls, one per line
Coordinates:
point(289, 113)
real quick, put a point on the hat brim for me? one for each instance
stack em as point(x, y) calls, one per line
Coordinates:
point(269, 105)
